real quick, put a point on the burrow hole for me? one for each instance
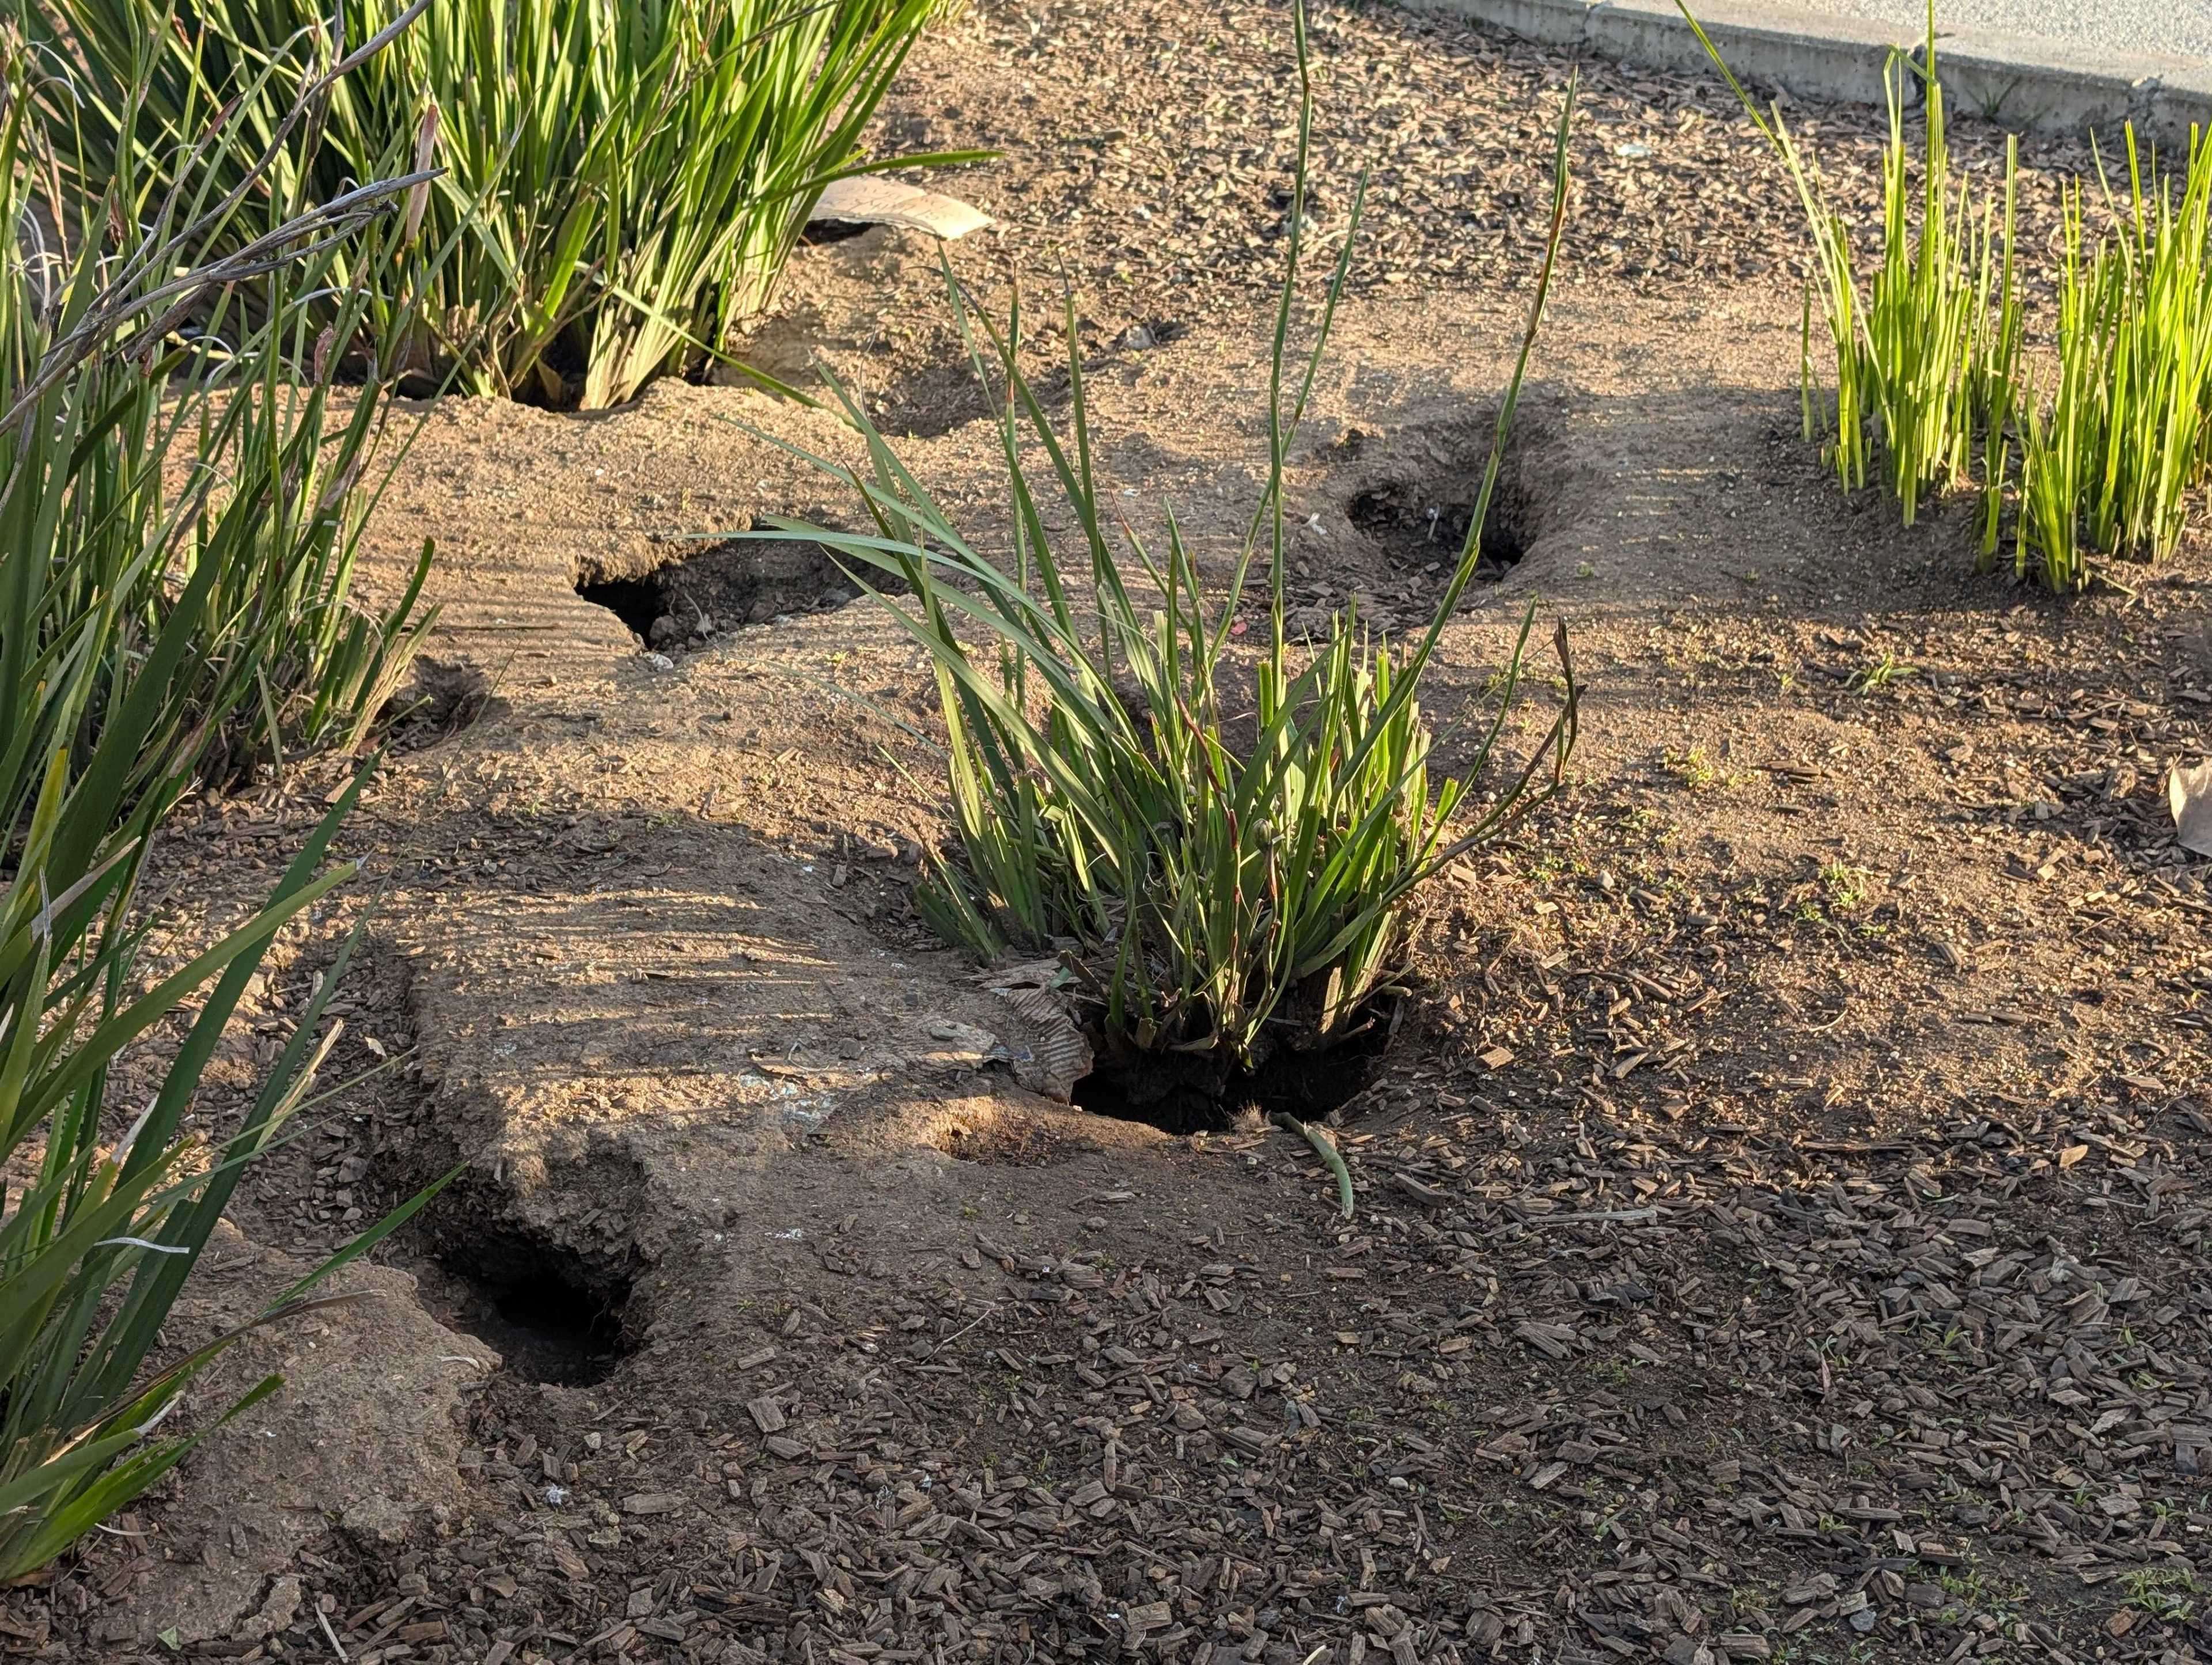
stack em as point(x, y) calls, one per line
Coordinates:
point(821, 233)
point(1422, 526)
point(442, 698)
point(687, 602)
point(551, 1316)
point(1187, 1093)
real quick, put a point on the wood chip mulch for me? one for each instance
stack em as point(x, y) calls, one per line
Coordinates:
point(1146, 149)
point(1574, 1387)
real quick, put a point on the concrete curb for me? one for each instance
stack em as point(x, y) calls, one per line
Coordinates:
point(2022, 81)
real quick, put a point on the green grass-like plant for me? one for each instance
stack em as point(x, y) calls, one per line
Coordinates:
point(1927, 348)
point(2109, 458)
point(164, 457)
point(621, 180)
point(173, 540)
point(1228, 835)
point(1931, 355)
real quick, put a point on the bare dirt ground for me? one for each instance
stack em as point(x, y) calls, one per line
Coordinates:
point(1782, 1211)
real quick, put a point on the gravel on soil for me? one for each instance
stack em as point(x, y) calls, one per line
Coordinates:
point(1148, 147)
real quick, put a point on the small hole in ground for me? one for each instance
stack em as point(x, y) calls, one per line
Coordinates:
point(1188, 1093)
point(550, 1317)
point(820, 233)
point(1415, 527)
point(441, 700)
point(742, 581)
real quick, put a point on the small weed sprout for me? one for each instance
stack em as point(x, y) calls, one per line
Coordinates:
point(2164, 1593)
point(1872, 678)
point(1695, 767)
point(1844, 883)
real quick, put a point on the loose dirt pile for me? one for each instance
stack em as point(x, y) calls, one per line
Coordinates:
point(1782, 1212)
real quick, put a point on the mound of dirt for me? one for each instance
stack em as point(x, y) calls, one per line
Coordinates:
point(364, 1439)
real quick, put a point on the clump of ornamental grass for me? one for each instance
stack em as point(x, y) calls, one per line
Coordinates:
point(620, 182)
point(1926, 348)
point(2111, 453)
point(1222, 836)
point(176, 533)
point(1932, 389)
point(177, 445)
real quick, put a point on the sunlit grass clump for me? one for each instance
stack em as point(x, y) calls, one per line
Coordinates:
point(1926, 346)
point(180, 504)
point(1221, 824)
point(1935, 386)
point(621, 180)
point(2117, 444)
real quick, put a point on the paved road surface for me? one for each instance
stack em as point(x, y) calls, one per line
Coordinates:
point(2166, 27)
